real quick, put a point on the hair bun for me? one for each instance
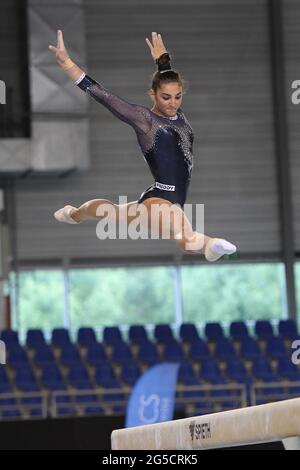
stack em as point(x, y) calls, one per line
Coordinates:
point(163, 62)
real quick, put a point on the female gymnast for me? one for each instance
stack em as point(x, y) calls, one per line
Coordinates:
point(166, 139)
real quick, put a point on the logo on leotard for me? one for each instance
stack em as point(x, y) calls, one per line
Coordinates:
point(165, 187)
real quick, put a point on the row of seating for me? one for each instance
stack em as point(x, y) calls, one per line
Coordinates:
point(148, 352)
point(110, 389)
point(89, 365)
point(104, 374)
point(137, 333)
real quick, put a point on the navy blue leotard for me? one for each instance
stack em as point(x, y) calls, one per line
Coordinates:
point(166, 142)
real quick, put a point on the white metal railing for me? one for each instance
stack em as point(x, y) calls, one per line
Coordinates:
point(195, 399)
point(273, 391)
point(23, 405)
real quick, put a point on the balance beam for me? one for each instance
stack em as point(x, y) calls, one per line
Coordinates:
point(279, 421)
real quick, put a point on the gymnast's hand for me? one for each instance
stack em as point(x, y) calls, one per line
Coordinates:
point(61, 52)
point(158, 48)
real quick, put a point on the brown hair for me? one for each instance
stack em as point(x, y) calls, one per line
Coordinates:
point(169, 76)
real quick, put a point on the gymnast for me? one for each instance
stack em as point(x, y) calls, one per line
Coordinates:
point(166, 140)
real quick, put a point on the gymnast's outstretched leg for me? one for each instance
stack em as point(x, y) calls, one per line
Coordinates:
point(172, 219)
point(91, 209)
point(181, 231)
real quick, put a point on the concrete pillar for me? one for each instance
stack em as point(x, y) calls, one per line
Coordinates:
point(5, 256)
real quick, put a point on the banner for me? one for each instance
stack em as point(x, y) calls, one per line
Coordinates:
point(153, 396)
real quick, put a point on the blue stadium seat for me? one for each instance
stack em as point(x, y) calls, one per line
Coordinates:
point(263, 329)
point(51, 377)
point(163, 333)
point(294, 390)
point(230, 404)
point(275, 347)
point(112, 335)
point(235, 370)
point(219, 393)
point(3, 376)
point(13, 413)
point(238, 330)
point(35, 339)
point(199, 350)
point(86, 337)
point(95, 354)
point(57, 386)
point(147, 353)
point(119, 410)
point(78, 377)
point(107, 382)
point(130, 373)
point(5, 388)
point(188, 332)
point(285, 368)
point(85, 398)
point(192, 382)
point(43, 355)
point(213, 331)
point(70, 356)
point(36, 413)
point(60, 338)
point(274, 393)
point(31, 388)
point(94, 411)
point(185, 372)
point(262, 370)
point(24, 375)
point(121, 352)
point(111, 397)
point(224, 349)
point(247, 381)
point(173, 351)
point(287, 329)
point(137, 333)
point(61, 400)
point(250, 349)
point(105, 375)
point(66, 411)
point(8, 406)
point(210, 370)
point(17, 356)
point(10, 338)
point(203, 408)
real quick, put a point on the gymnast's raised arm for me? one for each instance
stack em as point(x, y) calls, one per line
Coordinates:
point(136, 116)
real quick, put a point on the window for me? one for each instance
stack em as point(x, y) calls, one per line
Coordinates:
point(40, 301)
point(225, 293)
point(297, 281)
point(119, 296)
point(146, 295)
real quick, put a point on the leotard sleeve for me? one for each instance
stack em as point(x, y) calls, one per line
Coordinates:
point(136, 116)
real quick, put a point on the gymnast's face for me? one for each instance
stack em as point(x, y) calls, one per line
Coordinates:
point(167, 99)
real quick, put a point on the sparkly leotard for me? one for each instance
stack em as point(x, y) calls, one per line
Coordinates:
point(166, 142)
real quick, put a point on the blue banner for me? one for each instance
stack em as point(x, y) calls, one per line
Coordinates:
point(153, 396)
